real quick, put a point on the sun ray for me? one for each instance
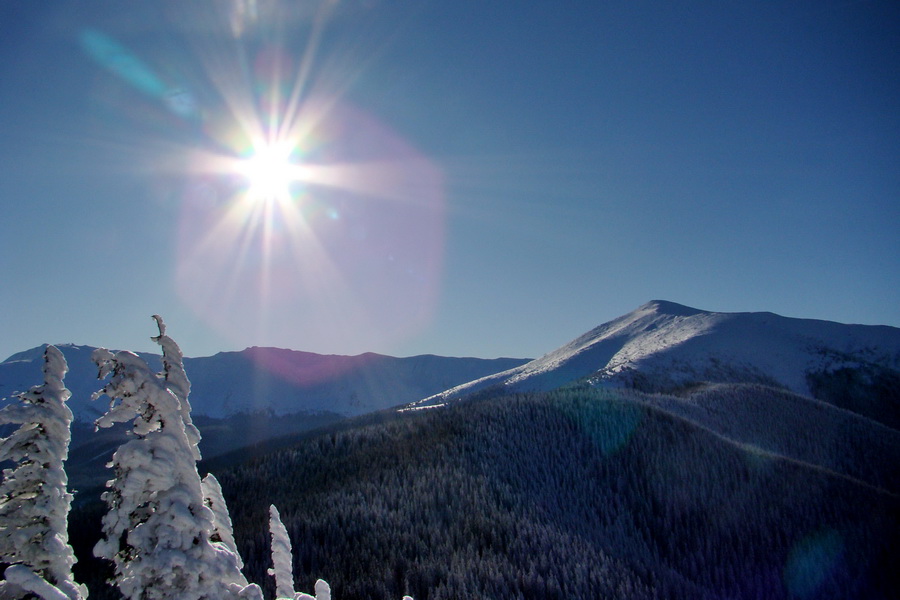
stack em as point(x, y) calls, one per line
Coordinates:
point(385, 180)
point(234, 230)
point(306, 62)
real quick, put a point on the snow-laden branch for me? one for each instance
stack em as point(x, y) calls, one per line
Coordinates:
point(223, 531)
point(177, 382)
point(20, 580)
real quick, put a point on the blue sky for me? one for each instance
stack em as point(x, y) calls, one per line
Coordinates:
point(479, 178)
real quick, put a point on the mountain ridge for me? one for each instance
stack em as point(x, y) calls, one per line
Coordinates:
point(663, 346)
point(275, 380)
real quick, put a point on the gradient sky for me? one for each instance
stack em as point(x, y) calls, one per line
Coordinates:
point(486, 178)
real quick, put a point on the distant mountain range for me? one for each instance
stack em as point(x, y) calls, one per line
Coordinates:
point(239, 399)
point(667, 347)
point(659, 347)
point(270, 380)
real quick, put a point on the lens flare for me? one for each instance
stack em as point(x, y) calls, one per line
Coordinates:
point(812, 561)
point(305, 221)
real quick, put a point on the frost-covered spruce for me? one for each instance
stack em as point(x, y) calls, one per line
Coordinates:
point(282, 557)
point(34, 502)
point(158, 529)
point(282, 564)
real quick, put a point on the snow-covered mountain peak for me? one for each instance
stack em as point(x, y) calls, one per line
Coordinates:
point(665, 307)
point(664, 345)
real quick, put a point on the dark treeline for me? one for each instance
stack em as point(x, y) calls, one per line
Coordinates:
point(869, 389)
point(576, 494)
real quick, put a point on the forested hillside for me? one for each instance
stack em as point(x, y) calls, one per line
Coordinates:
point(805, 429)
point(569, 494)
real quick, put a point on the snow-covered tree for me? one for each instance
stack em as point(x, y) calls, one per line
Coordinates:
point(282, 564)
point(34, 502)
point(282, 557)
point(159, 531)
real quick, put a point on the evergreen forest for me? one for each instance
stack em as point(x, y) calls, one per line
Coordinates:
point(577, 493)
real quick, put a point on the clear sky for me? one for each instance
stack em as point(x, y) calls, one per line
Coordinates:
point(470, 178)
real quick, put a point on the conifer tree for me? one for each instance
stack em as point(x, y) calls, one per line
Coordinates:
point(159, 529)
point(34, 501)
point(282, 557)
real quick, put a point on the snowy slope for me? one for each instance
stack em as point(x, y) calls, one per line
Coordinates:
point(270, 380)
point(663, 345)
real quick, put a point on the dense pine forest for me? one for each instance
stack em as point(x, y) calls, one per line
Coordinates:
point(580, 493)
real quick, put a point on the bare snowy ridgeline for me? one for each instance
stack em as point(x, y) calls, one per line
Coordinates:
point(168, 533)
point(663, 347)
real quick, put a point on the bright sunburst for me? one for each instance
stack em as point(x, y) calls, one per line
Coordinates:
point(270, 170)
point(301, 214)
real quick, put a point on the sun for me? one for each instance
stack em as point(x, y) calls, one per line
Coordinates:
point(270, 170)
